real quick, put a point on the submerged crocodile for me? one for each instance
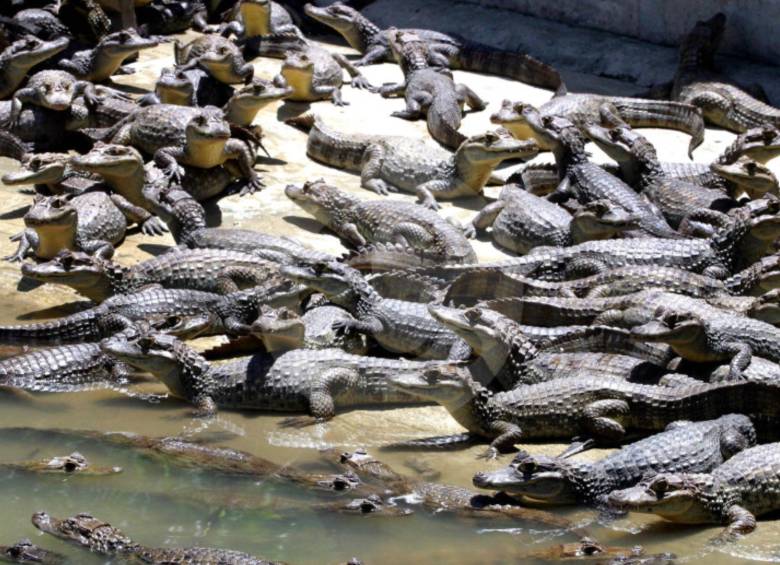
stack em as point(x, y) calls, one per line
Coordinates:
point(685, 447)
point(416, 230)
point(88, 222)
point(220, 57)
point(315, 382)
point(695, 82)
point(738, 492)
point(73, 464)
point(446, 50)
point(520, 221)
point(397, 325)
point(106, 58)
point(429, 91)
point(24, 551)
point(209, 270)
point(104, 539)
point(387, 163)
point(17, 59)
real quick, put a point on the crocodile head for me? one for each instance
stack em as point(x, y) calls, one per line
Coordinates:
point(323, 201)
point(547, 479)
point(615, 141)
point(684, 331)
point(27, 52)
point(766, 307)
point(247, 101)
point(87, 274)
point(86, 531)
point(280, 329)
point(174, 87)
point(344, 19)
point(55, 89)
point(328, 277)
point(298, 71)
point(226, 64)
point(372, 505)
point(367, 465)
point(110, 161)
point(750, 176)
point(587, 548)
point(768, 273)
point(122, 44)
point(54, 218)
point(524, 122)
point(72, 464)
point(765, 228)
point(761, 144)
point(24, 551)
point(39, 168)
point(445, 384)
point(493, 148)
point(601, 219)
point(675, 497)
point(208, 127)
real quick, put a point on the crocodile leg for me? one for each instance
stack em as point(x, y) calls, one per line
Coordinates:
point(375, 54)
point(414, 106)
point(358, 80)
point(507, 435)
point(741, 359)
point(332, 93)
point(485, 218)
point(425, 192)
point(321, 403)
point(471, 98)
point(232, 280)
point(28, 243)
point(350, 232)
point(372, 166)
point(98, 248)
point(166, 159)
point(239, 151)
point(741, 522)
point(601, 418)
point(413, 235)
point(150, 225)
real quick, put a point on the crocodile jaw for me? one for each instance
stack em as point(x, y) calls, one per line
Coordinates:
point(48, 174)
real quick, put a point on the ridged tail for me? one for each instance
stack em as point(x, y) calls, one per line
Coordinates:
point(381, 257)
point(443, 122)
point(478, 285)
point(331, 147)
point(663, 114)
point(78, 327)
point(517, 66)
point(12, 147)
point(456, 441)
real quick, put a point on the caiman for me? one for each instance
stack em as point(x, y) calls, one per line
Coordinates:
point(17, 59)
point(186, 219)
point(523, 120)
point(429, 91)
point(397, 325)
point(242, 107)
point(746, 177)
point(106, 58)
point(51, 174)
point(179, 135)
point(416, 230)
point(73, 464)
point(391, 163)
point(90, 222)
point(520, 221)
point(55, 90)
point(24, 551)
point(736, 493)
point(685, 447)
point(220, 57)
point(602, 407)
point(102, 538)
point(446, 50)
point(695, 82)
point(209, 270)
point(314, 382)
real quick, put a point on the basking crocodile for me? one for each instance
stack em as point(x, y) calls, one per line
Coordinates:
point(746, 177)
point(180, 135)
point(187, 87)
point(685, 447)
point(419, 230)
point(520, 221)
point(186, 219)
point(89, 222)
point(446, 50)
point(73, 464)
point(17, 59)
point(106, 58)
point(523, 120)
point(51, 174)
point(55, 90)
point(315, 382)
point(220, 57)
point(695, 82)
point(736, 493)
point(760, 143)
point(209, 270)
point(388, 163)
point(24, 551)
point(104, 539)
point(242, 107)
point(724, 337)
point(602, 407)
point(397, 325)
point(429, 91)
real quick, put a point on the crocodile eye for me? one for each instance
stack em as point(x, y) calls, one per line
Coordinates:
point(145, 342)
point(473, 314)
point(527, 467)
point(70, 467)
point(751, 168)
point(366, 507)
point(659, 486)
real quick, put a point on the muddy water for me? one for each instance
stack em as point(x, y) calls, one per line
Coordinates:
point(160, 504)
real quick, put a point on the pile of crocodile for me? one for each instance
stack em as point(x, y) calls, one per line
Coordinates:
point(639, 310)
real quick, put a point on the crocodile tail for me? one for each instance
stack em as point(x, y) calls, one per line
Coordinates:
point(478, 285)
point(456, 441)
point(304, 122)
point(517, 66)
point(443, 122)
point(381, 257)
point(664, 114)
point(13, 147)
point(78, 327)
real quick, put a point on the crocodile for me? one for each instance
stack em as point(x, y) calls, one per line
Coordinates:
point(90, 222)
point(762, 144)
point(520, 221)
point(258, 18)
point(759, 242)
point(446, 50)
point(421, 231)
point(589, 550)
point(747, 177)
point(106, 58)
point(55, 90)
point(724, 337)
point(187, 87)
point(24, 551)
point(397, 325)
point(73, 13)
point(41, 129)
point(603, 407)
point(281, 329)
point(104, 539)
point(21, 56)
point(167, 17)
point(684, 447)
point(642, 170)
point(389, 163)
point(179, 135)
point(12, 147)
point(51, 174)
point(73, 464)
point(315, 382)
point(523, 120)
point(42, 23)
point(220, 57)
point(736, 493)
point(242, 108)
point(209, 270)
point(108, 107)
point(429, 91)
point(722, 104)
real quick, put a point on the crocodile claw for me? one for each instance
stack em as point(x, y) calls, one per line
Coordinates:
point(154, 226)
